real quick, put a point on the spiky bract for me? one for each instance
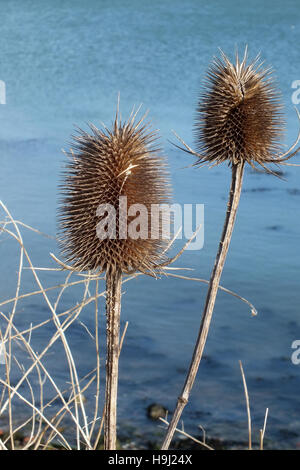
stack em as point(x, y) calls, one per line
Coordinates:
point(104, 165)
point(238, 114)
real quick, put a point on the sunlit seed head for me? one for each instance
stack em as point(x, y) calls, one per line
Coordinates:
point(105, 164)
point(238, 115)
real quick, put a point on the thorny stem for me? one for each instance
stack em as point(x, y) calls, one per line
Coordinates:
point(113, 310)
point(233, 202)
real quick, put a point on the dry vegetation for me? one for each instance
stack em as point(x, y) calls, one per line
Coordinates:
point(26, 407)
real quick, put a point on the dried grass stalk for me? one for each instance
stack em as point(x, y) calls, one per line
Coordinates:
point(105, 165)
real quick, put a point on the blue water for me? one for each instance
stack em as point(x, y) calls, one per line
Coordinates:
point(63, 64)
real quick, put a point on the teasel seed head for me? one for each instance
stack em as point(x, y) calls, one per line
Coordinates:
point(104, 165)
point(239, 115)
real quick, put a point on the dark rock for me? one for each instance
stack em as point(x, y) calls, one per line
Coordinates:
point(156, 411)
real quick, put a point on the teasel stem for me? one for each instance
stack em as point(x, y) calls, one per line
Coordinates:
point(232, 207)
point(113, 311)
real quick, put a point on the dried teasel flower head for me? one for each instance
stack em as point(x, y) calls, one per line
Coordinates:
point(109, 173)
point(238, 115)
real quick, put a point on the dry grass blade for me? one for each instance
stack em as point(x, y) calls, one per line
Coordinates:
point(13, 336)
point(248, 407)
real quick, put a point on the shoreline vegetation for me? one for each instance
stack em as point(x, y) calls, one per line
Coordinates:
point(41, 429)
point(130, 438)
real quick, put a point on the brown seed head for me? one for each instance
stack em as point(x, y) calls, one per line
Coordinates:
point(104, 165)
point(238, 115)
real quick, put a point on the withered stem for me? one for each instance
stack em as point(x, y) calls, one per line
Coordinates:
point(232, 206)
point(113, 310)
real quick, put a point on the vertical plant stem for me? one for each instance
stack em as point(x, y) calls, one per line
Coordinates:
point(248, 407)
point(232, 206)
point(98, 362)
point(113, 310)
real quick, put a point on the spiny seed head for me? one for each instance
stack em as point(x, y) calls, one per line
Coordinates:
point(104, 165)
point(238, 114)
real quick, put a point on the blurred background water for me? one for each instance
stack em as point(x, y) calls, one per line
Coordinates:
point(63, 64)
